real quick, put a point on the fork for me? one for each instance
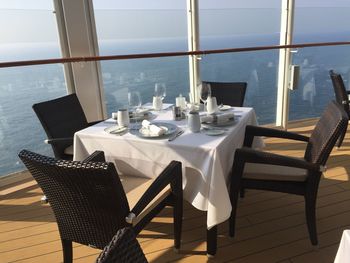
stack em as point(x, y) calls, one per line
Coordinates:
point(177, 134)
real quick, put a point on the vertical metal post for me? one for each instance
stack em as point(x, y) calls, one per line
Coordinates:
point(62, 32)
point(78, 35)
point(286, 38)
point(193, 45)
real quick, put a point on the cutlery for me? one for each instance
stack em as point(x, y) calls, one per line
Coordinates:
point(177, 134)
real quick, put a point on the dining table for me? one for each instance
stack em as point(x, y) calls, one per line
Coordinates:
point(343, 253)
point(206, 156)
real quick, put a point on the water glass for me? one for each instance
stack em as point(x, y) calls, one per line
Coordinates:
point(204, 91)
point(134, 100)
point(194, 121)
point(157, 103)
point(160, 90)
point(123, 118)
point(212, 105)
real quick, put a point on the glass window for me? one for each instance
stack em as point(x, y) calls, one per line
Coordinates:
point(230, 24)
point(32, 35)
point(319, 21)
point(129, 27)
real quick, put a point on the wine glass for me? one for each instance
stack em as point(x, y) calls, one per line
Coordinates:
point(160, 90)
point(204, 92)
point(135, 103)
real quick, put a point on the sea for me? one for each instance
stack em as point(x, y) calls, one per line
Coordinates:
point(21, 87)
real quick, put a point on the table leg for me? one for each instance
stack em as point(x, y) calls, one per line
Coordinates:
point(212, 241)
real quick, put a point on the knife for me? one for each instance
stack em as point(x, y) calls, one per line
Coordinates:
point(177, 134)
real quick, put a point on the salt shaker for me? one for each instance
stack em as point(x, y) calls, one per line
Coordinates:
point(194, 122)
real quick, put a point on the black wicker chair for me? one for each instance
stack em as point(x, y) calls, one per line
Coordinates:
point(91, 201)
point(61, 118)
point(341, 96)
point(267, 171)
point(123, 248)
point(230, 93)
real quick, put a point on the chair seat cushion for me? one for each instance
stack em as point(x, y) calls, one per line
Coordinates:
point(69, 150)
point(134, 188)
point(258, 171)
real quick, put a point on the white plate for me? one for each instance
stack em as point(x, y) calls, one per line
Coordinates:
point(222, 124)
point(213, 132)
point(169, 127)
point(225, 107)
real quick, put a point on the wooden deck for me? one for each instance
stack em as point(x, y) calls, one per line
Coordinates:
point(271, 226)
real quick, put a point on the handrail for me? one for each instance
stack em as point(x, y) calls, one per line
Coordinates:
point(164, 54)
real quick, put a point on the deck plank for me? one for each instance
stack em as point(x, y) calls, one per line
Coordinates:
point(270, 226)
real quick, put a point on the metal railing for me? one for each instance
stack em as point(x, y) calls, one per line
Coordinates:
point(164, 54)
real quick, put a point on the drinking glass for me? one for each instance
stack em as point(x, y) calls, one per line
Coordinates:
point(135, 103)
point(160, 90)
point(204, 92)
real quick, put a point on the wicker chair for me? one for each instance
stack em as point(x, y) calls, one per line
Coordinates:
point(255, 169)
point(341, 96)
point(123, 248)
point(61, 118)
point(230, 93)
point(91, 201)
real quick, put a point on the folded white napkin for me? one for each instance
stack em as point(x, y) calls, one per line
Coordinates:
point(225, 117)
point(218, 118)
point(207, 118)
point(151, 129)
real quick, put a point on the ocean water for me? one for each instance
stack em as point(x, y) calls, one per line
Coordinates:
point(21, 87)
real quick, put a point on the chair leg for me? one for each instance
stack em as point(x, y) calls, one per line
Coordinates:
point(67, 247)
point(234, 200)
point(212, 241)
point(310, 211)
point(242, 193)
point(178, 211)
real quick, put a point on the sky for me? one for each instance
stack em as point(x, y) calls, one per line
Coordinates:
point(24, 24)
point(172, 4)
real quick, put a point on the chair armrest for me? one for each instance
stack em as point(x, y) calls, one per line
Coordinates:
point(248, 155)
point(96, 156)
point(57, 141)
point(172, 173)
point(252, 131)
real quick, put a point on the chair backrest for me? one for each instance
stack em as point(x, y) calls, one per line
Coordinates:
point(331, 125)
point(230, 93)
point(87, 198)
point(123, 248)
point(341, 95)
point(61, 117)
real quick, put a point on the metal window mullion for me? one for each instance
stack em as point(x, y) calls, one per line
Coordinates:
point(193, 45)
point(62, 33)
point(287, 19)
point(79, 34)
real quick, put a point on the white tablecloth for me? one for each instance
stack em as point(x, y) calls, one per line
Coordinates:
point(343, 254)
point(206, 160)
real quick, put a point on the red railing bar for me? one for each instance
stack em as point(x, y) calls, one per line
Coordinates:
point(163, 54)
